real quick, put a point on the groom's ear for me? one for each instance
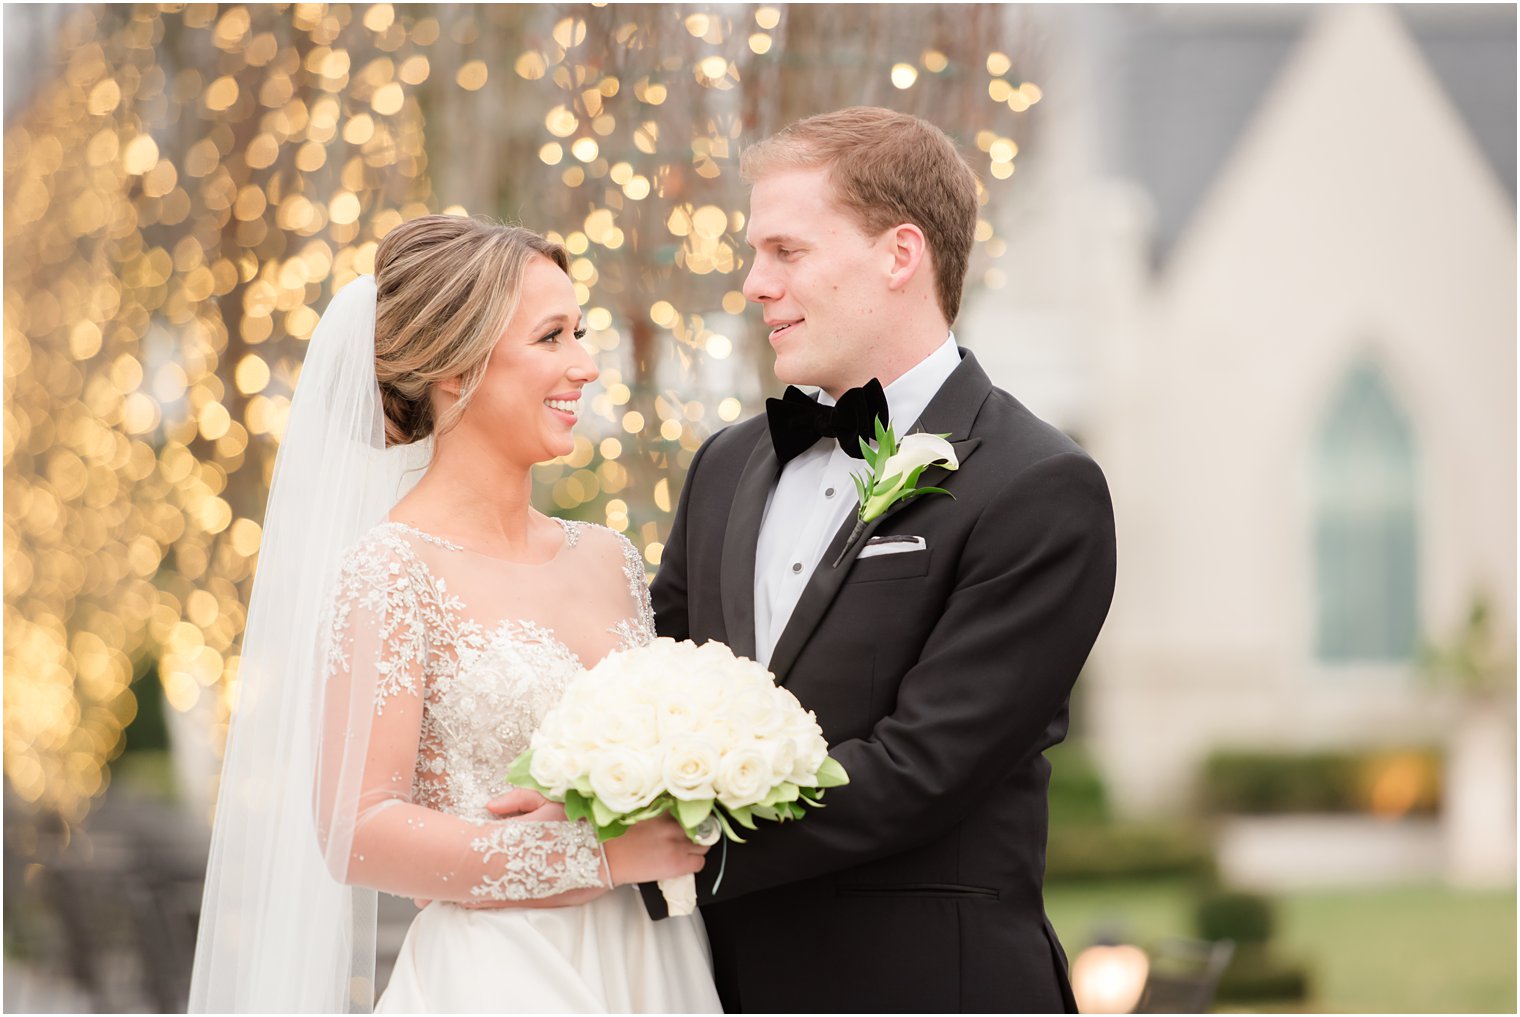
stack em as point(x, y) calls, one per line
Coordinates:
point(908, 249)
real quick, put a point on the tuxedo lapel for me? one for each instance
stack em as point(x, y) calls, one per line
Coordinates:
point(952, 411)
point(737, 579)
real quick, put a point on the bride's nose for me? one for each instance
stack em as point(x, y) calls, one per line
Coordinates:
point(583, 369)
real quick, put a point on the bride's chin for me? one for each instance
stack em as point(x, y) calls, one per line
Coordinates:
point(558, 449)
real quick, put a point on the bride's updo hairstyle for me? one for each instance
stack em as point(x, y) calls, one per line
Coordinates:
point(447, 286)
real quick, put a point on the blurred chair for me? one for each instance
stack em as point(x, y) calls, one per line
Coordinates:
point(1184, 975)
point(124, 898)
point(92, 891)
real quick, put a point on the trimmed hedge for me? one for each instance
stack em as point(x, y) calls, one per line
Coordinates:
point(1242, 917)
point(1096, 851)
point(1255, 973)
point(1086, 843)
point(1077, 795)
point(1264, 783)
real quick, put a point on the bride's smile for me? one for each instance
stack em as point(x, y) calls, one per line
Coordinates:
point(528, 398)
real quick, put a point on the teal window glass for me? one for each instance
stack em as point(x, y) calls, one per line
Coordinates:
point(1365, 525)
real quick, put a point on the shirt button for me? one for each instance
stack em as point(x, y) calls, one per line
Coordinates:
point(829, 493)
point(796, 566)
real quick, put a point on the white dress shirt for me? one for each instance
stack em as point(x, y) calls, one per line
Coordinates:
point(815, 495)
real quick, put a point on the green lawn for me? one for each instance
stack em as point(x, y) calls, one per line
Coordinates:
point(1418, 949)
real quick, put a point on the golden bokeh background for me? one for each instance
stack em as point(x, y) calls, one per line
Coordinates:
point(189, 184)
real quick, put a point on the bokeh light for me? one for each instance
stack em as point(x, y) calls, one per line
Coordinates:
point(190, 187)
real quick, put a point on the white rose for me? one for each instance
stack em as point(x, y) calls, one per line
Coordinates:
point(690, 767)
point(810, 756)
point(811, 748)
point(573, 722)
point(568, 727)
point(757, 712)
point(782, 753)
point(789, 703)
point(744, 777)
point(624, 779)
point(627, 722)
point(683, 705)
point(556, 768)
point(718, 729)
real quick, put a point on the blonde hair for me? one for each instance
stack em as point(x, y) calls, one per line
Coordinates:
point(447, 286)
point(887, 168)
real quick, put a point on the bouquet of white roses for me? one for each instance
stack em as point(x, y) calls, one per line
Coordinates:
point(675, 727)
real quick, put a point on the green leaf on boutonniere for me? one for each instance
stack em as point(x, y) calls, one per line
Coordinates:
point(893, 469)
point(923, 490)
point(860, 488)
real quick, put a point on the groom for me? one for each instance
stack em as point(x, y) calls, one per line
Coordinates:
point(939, 652)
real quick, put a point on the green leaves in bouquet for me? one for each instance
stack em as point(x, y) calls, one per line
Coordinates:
point(831, 773)
point(728, 830)
point(608, 824)
point(691, 814)
point(786, 801)
point(519, 773)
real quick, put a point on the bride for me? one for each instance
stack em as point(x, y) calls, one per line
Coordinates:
point(404, 638)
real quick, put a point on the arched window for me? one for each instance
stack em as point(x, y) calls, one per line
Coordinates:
point(1365, 524)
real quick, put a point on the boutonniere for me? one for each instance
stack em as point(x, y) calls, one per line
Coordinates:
point(892, 472)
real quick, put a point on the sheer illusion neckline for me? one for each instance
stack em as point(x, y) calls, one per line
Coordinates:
point(570, 536)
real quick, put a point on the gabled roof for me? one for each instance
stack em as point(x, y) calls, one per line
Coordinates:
point(1187, 80)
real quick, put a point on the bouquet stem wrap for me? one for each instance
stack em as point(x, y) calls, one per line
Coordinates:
point(680, 892)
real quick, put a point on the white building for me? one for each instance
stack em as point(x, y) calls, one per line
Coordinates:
point(1301, 387)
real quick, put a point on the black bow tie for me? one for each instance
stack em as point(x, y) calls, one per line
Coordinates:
point(797, 420)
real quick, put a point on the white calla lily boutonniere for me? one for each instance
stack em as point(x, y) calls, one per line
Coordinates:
point(892, 472)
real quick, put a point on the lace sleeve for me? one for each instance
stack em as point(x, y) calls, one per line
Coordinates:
point(380, 659)
point(638, 629)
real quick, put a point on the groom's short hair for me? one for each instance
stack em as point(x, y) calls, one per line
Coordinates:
point(888, 168)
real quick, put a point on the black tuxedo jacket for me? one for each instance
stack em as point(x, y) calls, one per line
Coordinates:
point(939, 677)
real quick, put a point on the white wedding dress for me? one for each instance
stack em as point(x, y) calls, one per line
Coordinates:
point(467, 653)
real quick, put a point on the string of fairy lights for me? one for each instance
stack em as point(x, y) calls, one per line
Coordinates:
point(192, 182)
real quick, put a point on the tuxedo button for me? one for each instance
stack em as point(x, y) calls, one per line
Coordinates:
point(796, 566)
point(829, 493)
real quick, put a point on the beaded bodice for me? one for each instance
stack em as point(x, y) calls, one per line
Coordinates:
point(469, 653)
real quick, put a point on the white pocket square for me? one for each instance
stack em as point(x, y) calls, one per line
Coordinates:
point(895, 544)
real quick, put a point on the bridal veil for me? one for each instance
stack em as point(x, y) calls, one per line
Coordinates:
point(279, 931)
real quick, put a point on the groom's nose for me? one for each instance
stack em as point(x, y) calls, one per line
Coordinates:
point(761, 283)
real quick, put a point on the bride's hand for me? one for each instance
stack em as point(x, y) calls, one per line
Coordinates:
point(651, 850)
point(521, 803)
point(518, 803)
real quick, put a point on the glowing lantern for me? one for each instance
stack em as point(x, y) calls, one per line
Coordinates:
point(1108, 978)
